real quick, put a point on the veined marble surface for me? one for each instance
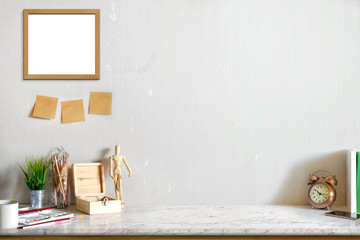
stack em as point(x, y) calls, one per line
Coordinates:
point(202, 220)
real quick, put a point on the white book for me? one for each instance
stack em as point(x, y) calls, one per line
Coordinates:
point(42, 217)
point(351, 181)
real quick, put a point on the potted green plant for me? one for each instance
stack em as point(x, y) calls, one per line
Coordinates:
point(35, 178)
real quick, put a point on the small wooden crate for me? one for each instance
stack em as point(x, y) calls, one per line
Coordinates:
point(89, 188)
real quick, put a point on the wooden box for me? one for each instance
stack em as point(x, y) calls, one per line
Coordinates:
point(89, 188)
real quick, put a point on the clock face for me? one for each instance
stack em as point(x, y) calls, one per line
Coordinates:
point(319, 193)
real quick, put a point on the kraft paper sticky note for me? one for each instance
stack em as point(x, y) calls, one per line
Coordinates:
point(100, 103)
point(45, 107)
point(72, 111)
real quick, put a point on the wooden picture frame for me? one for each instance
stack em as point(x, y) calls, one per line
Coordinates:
point(61, 43)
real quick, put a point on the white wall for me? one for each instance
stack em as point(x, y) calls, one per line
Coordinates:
point(214, 102)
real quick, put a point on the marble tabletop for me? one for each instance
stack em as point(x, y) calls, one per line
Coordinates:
point(201, 221)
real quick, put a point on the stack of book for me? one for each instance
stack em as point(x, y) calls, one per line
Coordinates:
point(40, 218)
point(353, 181)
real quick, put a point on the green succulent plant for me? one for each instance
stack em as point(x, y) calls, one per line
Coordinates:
point(35, 171)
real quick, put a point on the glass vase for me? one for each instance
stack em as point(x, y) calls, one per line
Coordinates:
point(60, 194)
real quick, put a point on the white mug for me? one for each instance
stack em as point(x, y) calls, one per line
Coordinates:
point(9, 213)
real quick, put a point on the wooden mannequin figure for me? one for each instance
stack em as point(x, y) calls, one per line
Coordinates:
point(115, 172)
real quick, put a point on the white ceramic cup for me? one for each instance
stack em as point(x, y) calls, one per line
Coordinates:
point(9, 213)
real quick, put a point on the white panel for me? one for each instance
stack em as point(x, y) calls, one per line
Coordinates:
point(61, 43)
point(214, 102)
